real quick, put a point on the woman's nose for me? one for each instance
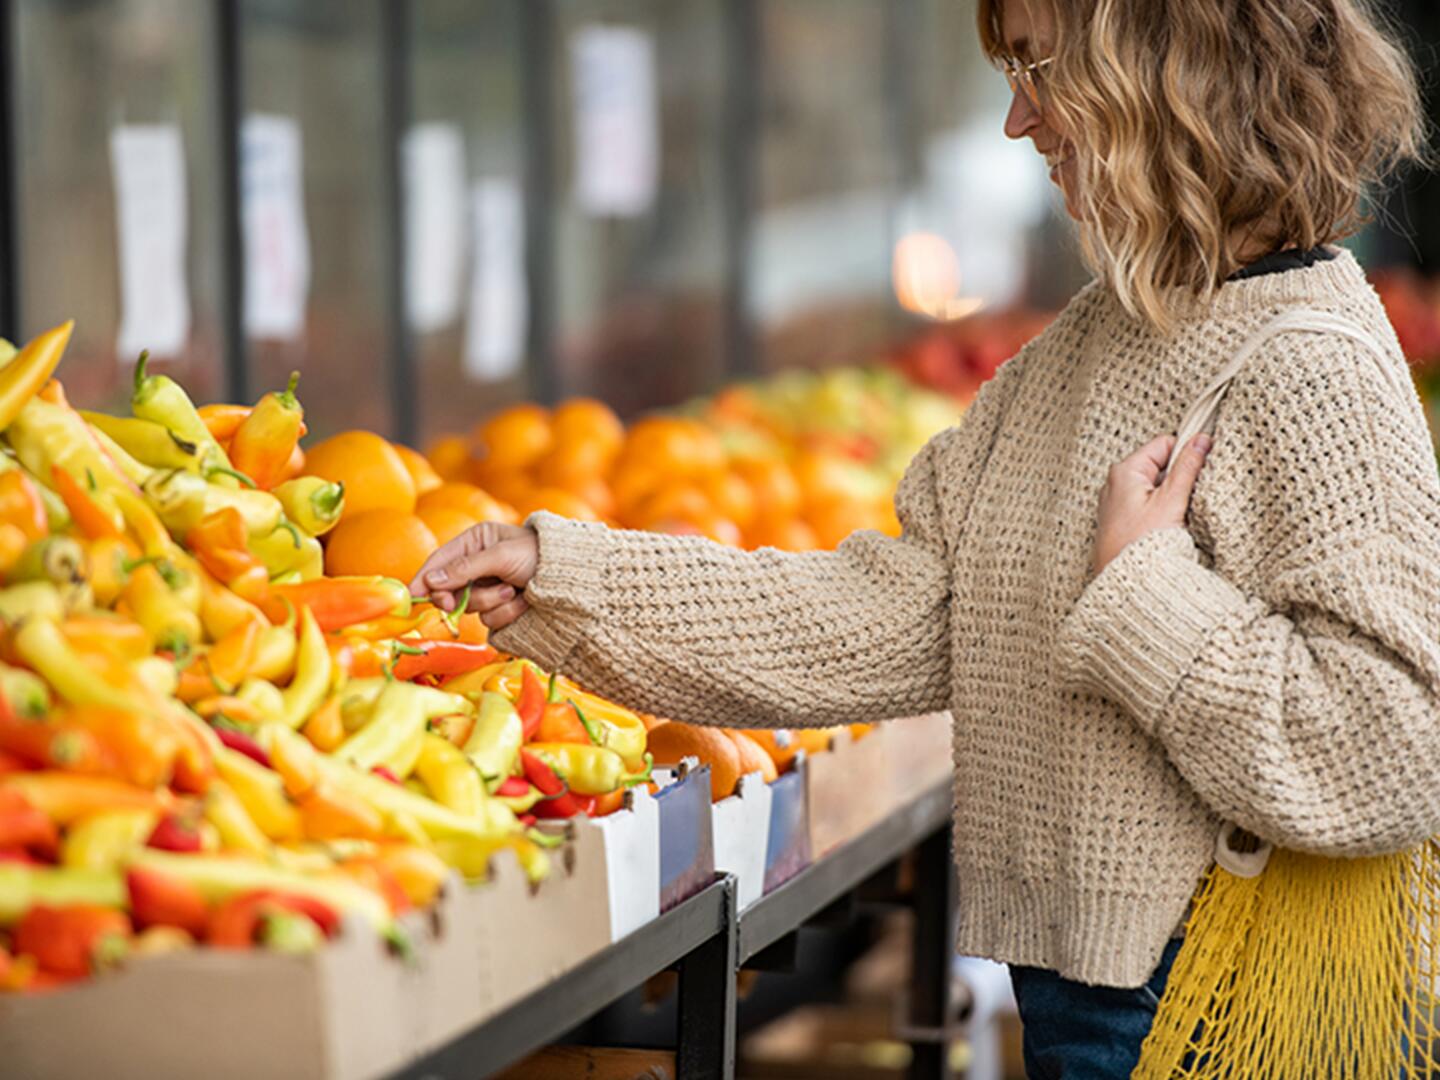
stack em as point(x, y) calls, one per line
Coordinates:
point(1022, 118)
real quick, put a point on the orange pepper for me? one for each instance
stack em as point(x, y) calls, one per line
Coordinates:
point(21, 505)
point(376, 874)
point(609, 803)
point(13, 543)
point(419, 871)
point(222, 610)
point(262, 444)
point(559, 722)
point(93, 518)
point(66, 797)
point(329, 814)
point(326, 729)
point(223, 420)
point(102, 632)
point(144, 746)
point(230, 658)
point(294, 464)
point(231, 707)
point(220, 542)
point(344, 601)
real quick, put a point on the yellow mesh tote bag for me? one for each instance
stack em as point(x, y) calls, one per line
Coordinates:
point(1297, 966)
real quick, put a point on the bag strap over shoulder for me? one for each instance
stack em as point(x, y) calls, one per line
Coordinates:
point(1202, 414)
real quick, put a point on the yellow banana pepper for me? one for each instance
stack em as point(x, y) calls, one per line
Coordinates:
point(238, 831)
point(106, 841)
point(262, 793)
point(312, 673)
point(312, 503)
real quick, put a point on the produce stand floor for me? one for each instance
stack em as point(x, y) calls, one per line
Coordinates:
point(707, 942)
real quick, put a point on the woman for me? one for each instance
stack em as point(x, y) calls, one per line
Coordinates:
point(1257, 641)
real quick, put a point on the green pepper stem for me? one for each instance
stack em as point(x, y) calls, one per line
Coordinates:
point(590, 729)
point(236, 474)
point(287, 398)
point(140, 366)
point(327, 500)
point(291, 529)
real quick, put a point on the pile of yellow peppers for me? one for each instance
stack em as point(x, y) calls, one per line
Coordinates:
point(205, 740)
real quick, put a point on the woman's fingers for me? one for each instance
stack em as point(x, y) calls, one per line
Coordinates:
point(490, 597)
point(1180, 482)
point(502, 616)
point(1150, 460)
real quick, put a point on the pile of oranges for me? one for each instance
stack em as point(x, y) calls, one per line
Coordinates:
point(797, 463)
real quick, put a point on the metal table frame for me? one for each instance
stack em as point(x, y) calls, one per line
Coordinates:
point(707, 942)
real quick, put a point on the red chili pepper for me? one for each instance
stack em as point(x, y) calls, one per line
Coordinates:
point(243, 743)
point(9, 763)
point(25, 826)
point(68, 940)
point(175, 833)
point(567, 805)
point(513, 788)
point(526, 820)
point(531, 703)
point(236, 923)
point(385, 773)
point(443, 658)
point(157, 899)
point(20, 856)
point(541, 775)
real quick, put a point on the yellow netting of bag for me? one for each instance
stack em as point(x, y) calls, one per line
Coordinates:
point(1317, 968)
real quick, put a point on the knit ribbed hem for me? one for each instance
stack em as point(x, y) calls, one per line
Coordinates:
point(1140, 624)
point(1096, 938)
point(565, 595)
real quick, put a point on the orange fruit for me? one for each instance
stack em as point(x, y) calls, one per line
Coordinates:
point(672, 741)
point(509, 487)
point(373, 472)
point(590, 421)
point(597, 495)
point(836, 519)
point(816, 740)
point(473, 502)
point(753, 757)
point(772, 484)
point(673, 502)
point(385, 542)
point(778, 743)
point(569, 463)
point(677, 446)
point(421, 471)
point(557, 501)
point(787, 534)
point(449, 456)
point(709, 524)
point(632, 485)
point(445, 522)
point(516, 437)
point(731, 496)
point(823, 477)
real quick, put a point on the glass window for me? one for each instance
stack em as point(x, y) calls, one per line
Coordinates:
point(114, 119)
point(467, 287)
point(316, 251)
point(829, 169)
point(640, 264)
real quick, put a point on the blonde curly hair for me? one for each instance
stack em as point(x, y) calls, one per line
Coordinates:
point(1206, 128)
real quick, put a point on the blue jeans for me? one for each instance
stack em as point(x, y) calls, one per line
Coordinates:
point(1079, 1032)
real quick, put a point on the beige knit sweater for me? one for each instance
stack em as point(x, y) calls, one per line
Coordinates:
point(1281, 674)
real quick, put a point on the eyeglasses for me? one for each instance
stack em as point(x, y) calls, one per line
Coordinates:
point(1025, 78)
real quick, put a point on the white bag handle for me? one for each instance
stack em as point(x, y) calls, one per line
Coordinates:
point(1201, 417)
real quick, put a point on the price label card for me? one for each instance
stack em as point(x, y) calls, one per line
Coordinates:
point(147, 162)
point(277, 245)
point(497, 319)
point(617, 120)
point(435, 232)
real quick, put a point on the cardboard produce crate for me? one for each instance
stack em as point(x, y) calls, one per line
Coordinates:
point(741, 825)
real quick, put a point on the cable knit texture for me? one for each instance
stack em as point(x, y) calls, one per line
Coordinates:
point(1276, 665)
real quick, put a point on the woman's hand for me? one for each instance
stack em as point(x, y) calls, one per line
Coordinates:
point(496, 561)
point(1136, 501)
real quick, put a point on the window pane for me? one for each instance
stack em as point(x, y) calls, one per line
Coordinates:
point(86, 70)
point(828, 176)
point(640, 264)
point(313, 70)
point(465, 207)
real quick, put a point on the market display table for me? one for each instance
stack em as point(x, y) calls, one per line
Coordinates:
point(705, 939)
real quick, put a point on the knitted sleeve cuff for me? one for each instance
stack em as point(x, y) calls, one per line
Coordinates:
point(1140, 624)
point(566, 594)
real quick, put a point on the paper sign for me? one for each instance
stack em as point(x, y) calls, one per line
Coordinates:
point(434, 162)
point(277, 246)
point(617, 120)
point(148, 165)
point(498, 315)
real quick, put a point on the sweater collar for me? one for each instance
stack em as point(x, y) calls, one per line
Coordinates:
point(1324, 283)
